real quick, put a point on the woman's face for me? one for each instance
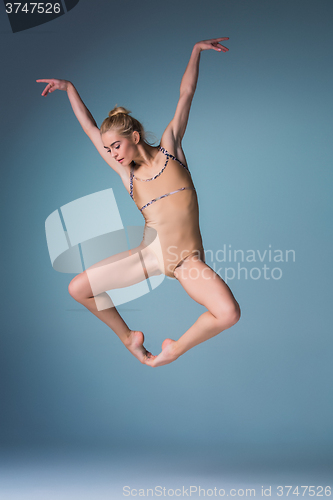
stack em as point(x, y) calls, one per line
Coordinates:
point(119, 147)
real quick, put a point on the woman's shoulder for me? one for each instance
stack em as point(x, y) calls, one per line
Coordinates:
point(174, 151)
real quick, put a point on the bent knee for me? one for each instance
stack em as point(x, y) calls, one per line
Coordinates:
point(72, 289)
point(237, 314)
point(230, 313)
point(75, 288)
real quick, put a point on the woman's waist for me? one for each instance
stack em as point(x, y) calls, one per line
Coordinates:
point(175, 234)
point(172, 222)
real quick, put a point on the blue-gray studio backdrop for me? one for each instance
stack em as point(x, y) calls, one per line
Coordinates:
point(259, 147)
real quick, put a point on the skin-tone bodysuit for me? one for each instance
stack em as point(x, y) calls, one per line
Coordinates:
point(169, 204)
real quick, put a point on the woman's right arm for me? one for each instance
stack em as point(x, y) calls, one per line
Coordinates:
point(83, 115)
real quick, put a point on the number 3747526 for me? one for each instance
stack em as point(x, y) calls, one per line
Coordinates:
point(33, 8)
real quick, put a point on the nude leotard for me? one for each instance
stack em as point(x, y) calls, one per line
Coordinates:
point(169, 205)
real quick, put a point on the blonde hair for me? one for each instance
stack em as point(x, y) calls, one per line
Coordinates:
point(120, 120)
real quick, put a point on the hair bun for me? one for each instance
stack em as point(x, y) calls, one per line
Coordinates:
point(117, 110)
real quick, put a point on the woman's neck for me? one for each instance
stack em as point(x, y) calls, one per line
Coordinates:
point(146, 154)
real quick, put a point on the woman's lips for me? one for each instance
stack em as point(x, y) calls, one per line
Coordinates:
point(119, 161)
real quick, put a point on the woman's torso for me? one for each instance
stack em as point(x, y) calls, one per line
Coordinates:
point(167, 199)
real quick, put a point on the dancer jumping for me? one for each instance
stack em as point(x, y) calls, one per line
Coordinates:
point(159, 182)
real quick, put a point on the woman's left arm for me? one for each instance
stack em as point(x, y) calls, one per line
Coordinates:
point(174, 133)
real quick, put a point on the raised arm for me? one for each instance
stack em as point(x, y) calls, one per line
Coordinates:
point(174, 133)
point(83, 115)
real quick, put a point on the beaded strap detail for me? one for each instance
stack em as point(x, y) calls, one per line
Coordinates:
point(151, 178)
point(131, 183)
point(132, 176)
point(164, 196)
point(173, 157)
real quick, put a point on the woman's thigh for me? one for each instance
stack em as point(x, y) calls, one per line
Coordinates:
point(118, 271)
point(205, 286)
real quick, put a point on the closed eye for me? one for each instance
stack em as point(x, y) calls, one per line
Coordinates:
point(108, 150)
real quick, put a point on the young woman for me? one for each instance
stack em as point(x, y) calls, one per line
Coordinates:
point(159, 182)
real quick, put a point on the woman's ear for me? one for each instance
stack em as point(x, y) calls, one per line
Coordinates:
point(136, 137)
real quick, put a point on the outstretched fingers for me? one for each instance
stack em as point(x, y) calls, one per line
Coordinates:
point(53, 84)
point(48, 87)
point(214, 43)
point(218, 46)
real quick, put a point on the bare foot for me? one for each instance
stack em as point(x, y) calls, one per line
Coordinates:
point(135, 345)
point(165, 357)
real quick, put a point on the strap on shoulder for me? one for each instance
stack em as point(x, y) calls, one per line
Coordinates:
point(131, 181)
point(171, 156)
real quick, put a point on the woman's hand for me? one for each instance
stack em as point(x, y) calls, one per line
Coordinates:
point(53, 84)
point(212, 44)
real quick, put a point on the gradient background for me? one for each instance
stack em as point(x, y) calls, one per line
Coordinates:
point(80, 417)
